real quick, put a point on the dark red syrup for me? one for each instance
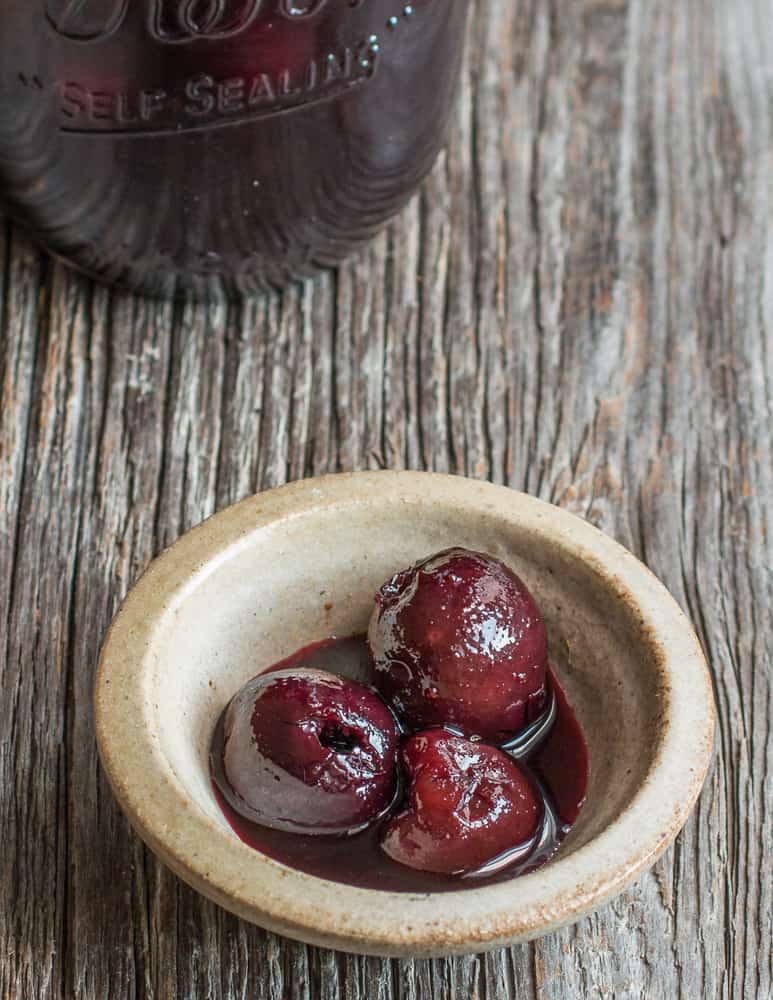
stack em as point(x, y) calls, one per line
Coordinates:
point(559, 766)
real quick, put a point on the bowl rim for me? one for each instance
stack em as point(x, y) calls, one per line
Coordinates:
point(210, 858)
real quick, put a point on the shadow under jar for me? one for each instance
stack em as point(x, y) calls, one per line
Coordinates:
point(209, 146)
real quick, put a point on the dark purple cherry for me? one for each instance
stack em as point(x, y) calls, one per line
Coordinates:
point(467, 803)
point(458, 640)
point(309, 752)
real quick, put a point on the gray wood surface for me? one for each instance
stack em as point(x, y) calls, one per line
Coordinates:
point(579, 304)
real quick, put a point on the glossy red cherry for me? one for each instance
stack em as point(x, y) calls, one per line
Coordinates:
point(309, 752)
point(467, 803)
point(458, 640)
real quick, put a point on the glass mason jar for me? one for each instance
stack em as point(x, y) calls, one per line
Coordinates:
point(219, 145)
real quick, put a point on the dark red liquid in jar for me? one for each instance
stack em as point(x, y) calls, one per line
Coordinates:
point(560, 763)
point(186, 145)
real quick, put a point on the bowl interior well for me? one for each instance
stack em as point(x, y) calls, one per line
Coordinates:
point(314, 574)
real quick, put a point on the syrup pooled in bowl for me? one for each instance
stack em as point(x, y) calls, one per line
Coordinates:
point(556, 762)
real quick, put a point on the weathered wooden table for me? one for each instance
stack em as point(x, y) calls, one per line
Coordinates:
point(580, 304)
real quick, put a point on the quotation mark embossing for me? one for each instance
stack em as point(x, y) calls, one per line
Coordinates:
point(30, 81)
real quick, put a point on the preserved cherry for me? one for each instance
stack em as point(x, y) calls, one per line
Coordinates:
point(466, 804)
point(308, 752)
point(458, 640)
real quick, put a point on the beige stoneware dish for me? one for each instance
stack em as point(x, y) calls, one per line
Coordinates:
point(286, 567)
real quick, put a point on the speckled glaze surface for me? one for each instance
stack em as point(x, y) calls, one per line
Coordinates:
point(286, 567)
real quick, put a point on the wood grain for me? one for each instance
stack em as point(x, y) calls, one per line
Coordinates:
point(580, 304)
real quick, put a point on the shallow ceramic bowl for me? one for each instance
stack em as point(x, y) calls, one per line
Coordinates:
point(256, 582)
